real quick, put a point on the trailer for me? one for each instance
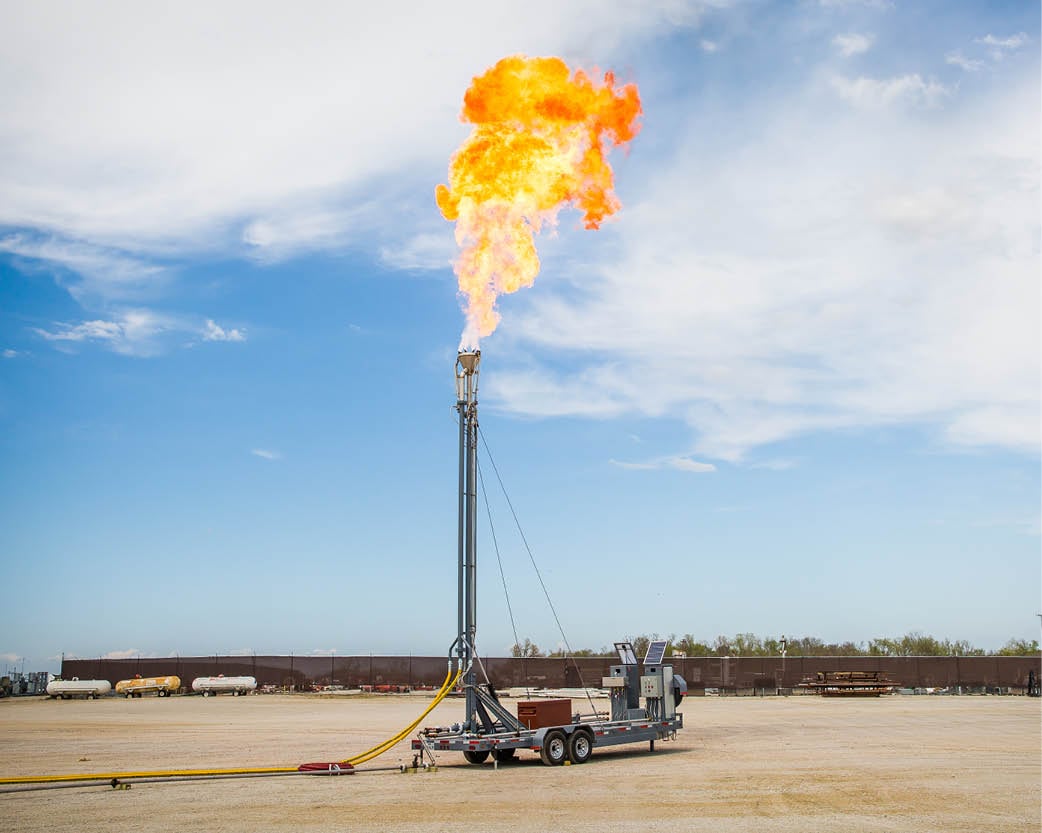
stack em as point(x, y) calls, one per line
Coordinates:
point(550, 729)
point(91, 689)
point(209, 686)
point(488, 727)
point(162, 686)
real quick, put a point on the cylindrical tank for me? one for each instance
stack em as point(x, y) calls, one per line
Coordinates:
point(163, 686)
point(78, 688)
point(215, 685)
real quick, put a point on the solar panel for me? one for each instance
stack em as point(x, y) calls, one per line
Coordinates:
point(656, 652)
point(626, 655)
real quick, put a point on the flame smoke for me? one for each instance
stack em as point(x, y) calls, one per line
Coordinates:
point(538, 144)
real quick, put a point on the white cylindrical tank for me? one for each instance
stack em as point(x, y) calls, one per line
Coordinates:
point(215, 685)
point(78, 688)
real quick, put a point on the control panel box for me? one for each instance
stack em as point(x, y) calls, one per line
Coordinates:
point(651, 686)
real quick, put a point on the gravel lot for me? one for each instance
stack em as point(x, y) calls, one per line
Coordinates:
point(741, 764)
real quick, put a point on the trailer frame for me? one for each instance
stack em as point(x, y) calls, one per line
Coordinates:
point(554, 744)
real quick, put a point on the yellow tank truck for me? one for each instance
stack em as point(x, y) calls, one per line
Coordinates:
point(163, 686)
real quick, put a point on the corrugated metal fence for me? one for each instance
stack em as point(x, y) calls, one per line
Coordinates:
point(726, 673)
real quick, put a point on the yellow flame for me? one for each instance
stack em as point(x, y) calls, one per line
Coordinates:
point(538, 144)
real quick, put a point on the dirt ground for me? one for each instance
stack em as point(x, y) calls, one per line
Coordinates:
point(793, 764)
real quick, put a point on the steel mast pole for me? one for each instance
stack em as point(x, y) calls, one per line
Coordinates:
point(461, 408)
point(467, 405)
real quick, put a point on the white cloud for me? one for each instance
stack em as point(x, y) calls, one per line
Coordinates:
point(709, 46)
point(677, 462)
point(831, 272)
point(137, 332)
point(852, 44)
point(429, 250)
point(959, 60)
point(212, 332)
point(251, 124)
point(10, 657)
point(878, 93)
point(321, 652)
point(10, 354)
point(266, 454)
point(127, 653)
point(99, 271)
point(1011, 43)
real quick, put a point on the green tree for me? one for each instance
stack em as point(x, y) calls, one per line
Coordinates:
point(526, 649)
point(747, 645)
point(722, 646)
point(1018, 648)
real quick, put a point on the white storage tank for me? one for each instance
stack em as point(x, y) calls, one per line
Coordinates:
point(221, 684)
point(60, 689)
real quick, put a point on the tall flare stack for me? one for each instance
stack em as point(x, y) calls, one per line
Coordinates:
point(467, 407)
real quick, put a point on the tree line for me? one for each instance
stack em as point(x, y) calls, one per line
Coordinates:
point(912, 644)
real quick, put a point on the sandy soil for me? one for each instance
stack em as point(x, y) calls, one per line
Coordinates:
point(741, 764)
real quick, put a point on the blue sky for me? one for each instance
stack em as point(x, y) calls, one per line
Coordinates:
point(792, 388)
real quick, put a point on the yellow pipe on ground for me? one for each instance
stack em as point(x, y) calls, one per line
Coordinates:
point(108, 776)
point(368, 755)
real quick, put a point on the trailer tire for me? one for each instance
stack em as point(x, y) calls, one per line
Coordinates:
point(59, 696)
point(91, 696)
point(160, 693)
point(476, 756)
point(580, 746)
point(554, 751)
point(503, 755)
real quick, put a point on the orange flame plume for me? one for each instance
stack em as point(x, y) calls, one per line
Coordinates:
point(538, 144)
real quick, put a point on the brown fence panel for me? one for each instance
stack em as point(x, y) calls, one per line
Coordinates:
point(727, 673)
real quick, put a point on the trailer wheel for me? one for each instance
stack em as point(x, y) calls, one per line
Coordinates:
point(160, 693)
point(59, 696)
point(555, 748)
point(476, 756)
point(91, 696)
point(503, 755)
point(580, 746)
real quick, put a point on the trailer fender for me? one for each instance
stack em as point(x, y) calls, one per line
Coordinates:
point(568, 728)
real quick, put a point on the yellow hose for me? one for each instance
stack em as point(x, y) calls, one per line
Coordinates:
point(379, 749)
point(108, 776)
